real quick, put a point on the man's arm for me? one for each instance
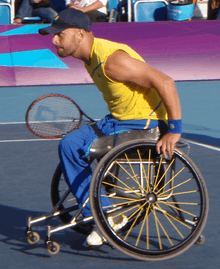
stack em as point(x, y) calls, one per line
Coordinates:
point(94, 6)
point(123, 68)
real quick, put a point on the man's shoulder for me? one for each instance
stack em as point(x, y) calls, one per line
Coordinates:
point(111, 46)
point(108, 44)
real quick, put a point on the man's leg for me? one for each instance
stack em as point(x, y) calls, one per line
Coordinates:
point(73, 155)
point(45, 13)
point(75, 165)
point(96, 16)
point(25, 10)
point(218, 14)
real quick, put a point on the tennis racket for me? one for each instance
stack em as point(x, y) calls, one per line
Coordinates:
point(53, 116)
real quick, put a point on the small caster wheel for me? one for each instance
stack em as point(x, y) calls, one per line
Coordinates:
point(200, 240)
point(53, 248)
point(33, 238)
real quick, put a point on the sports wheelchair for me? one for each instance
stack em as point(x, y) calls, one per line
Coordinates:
point(165, 200)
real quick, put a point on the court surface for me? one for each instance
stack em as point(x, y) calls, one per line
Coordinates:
point(27, 166)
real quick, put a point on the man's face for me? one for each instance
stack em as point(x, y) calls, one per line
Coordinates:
point(66, 42)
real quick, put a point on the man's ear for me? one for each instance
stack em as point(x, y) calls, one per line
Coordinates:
point(80, 35)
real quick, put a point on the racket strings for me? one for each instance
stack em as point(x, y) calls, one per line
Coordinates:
point(53, 117)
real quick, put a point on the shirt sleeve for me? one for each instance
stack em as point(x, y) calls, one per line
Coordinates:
point(89, 2)
point(104, 2)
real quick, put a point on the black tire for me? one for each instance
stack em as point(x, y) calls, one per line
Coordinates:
point(58, 188)
point(166, 213)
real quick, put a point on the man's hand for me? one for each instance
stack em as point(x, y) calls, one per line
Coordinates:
point(75, 6)
point(167, 143)
point(214, 4)
point(71, 5)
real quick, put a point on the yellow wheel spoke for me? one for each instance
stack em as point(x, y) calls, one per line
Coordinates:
point(148, 181)
point(71, 199)
point(186, 192)
point(118, 187)
point(124, 203)
point(147, 228)
point(158, 171)
point(161, 226)
point(174, 187)
point(163, 175)
point(126, 211)
point(147, 177)
point(157, 228)
point(179, 209)
point(183, 203)
point(140, 209)
point(130, 176)
point(178, 193)
point(170, 179)
point(142, 226)
point(173, 217)
point(135, 176)
point(174, 226)
point(127, 187)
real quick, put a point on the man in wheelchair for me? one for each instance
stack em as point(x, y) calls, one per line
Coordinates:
point(138, 96)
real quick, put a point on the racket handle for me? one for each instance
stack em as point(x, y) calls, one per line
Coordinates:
point(95, 128)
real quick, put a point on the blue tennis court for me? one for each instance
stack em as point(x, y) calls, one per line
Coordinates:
point(199, 100)
point(27, 166)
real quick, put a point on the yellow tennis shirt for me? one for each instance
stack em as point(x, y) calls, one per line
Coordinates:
point(126, 101)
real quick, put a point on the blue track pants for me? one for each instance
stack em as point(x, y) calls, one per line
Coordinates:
point(74, 150)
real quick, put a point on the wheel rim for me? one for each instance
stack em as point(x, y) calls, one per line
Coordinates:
point(166, 210)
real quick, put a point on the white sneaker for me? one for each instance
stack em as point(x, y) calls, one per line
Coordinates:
point(96, 239)
point(119, 223)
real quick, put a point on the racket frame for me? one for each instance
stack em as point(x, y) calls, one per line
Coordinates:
point(54, 95)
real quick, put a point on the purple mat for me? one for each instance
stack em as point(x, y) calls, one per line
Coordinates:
point(183, 50)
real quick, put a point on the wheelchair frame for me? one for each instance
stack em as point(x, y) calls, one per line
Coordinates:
point(141, 185)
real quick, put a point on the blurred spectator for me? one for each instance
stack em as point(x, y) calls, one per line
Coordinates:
point(35, 8)
point(96, 10)
point(213, 10)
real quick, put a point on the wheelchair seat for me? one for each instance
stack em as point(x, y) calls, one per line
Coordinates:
point(105, 143)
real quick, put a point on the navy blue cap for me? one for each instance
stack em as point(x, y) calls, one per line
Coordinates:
point(68, 18)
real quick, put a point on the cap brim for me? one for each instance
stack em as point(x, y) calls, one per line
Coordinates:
point(51, 30)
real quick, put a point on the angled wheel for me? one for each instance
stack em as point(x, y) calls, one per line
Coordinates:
point(164, 201)
point(59, 188)
point(33, 238)
point(53, 248)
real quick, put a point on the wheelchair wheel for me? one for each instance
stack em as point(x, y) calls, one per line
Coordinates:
point(69, 205)
point(164, 201)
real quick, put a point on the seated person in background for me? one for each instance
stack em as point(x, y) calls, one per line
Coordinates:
point(213, 10)
point(96, 10)
point(35, 8)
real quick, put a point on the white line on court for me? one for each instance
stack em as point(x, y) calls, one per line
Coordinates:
point(28, 140)
point(8, 123)
point(203, 145)
point(41, 139)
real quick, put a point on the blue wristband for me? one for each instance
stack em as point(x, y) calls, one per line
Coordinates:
point(175, 126)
